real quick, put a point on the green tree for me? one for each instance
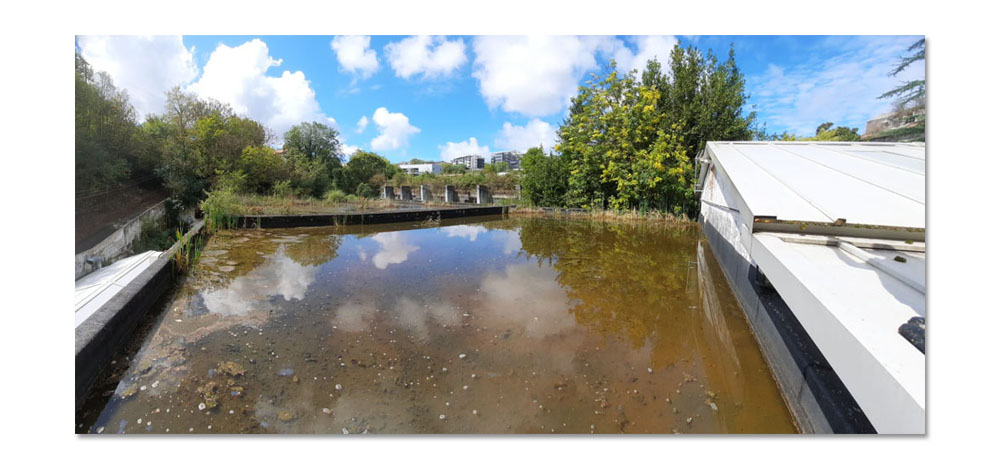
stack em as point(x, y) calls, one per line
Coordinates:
point(619, 154)
point(912, 92)
point(544, 179)
point(315, 141)
point(361, 168)
point(110, 147)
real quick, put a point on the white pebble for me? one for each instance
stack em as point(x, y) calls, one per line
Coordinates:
point(138, 421)
point(475, 412)
point(202, 406)
point(345, 431)
point(441, 416)
point(327, 411)
point(649, 370)
point(461, 355)
point(338, 387)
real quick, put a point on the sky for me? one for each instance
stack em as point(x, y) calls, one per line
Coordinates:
point(439, 97)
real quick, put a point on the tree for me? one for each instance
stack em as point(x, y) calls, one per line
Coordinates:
point(629, 140)
point(912, 92)
point(543, 178)
point(315, 141)
point(110, 147)
point(618, 153)
point(360, 170)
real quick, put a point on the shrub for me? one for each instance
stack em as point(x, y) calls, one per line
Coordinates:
point(365, 191)
point(221, 208)
point(336, 196)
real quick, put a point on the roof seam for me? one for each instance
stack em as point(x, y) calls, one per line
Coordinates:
point(850, 176)
point(783, 183)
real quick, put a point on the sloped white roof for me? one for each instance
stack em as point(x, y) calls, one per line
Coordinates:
point(95, 289)
point(874, 184)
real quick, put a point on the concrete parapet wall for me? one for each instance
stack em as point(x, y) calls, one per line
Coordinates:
point(291, 221)
point(105, 331)
point(119, 243)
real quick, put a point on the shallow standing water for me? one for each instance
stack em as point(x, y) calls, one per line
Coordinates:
point(519, 325)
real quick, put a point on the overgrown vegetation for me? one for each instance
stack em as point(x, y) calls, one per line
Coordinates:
point(629, 140)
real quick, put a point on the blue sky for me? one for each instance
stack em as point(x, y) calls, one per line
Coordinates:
point(438, 97)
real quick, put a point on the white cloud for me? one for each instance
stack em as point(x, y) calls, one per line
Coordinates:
point(431, 56)
point(451, 150)
point(146, 66)
point(238, 76)
point(470, 232)
point(394, 248)
point(647, 48)
point(394, 130)
point(843, 89)
point(349, 149)
point(362, 123)
point(354, 54)
point(521, 138)
point(536, 75)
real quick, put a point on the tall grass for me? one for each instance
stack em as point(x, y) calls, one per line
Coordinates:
point(188, 251)
point(221, 209)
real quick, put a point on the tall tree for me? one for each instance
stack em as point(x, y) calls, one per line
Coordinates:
point(315, 141)
point(912, 92)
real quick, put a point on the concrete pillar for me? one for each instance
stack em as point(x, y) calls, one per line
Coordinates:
point(450, 195)
point(483, 194)
point(425, 193)
point(517, 191)
point(387, 193)
point(404, 193)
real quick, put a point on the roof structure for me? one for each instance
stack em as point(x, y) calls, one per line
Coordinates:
point(92, 291)
point(838, 230)
point(870, 185)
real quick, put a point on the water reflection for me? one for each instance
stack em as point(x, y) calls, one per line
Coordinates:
point(527, 296)
point(279, 276)
point(394, 248)
point(470, 232)
point(542, 325)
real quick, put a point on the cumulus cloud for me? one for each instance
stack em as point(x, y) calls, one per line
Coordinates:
point(354, 54)
point(238, 76)
point(362, 123)
point(536, 75)
point(647, 48)
point(470, 232)
point(146, 66)
point(394, 130)
point(433, 57)
point(452, 150)
point(842, 89)
point(521, 138)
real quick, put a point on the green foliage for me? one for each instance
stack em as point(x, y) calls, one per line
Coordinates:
point(619, 153)
point(362, 168)
point(629, 140)
point(449, 168)
point(335, 196)
point(315, 141)
point(110, 147)
point(544, 179)
point(221, 208)
point(196, 142)
point(825, 132)
point(912, 92)
point(365, 191)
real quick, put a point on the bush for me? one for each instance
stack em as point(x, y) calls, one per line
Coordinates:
point(221, 208)
point(366, 191)
point(336, 196)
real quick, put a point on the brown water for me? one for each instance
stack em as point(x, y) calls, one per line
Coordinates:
point(523, 325)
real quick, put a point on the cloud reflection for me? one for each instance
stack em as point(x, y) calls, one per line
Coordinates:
point(393, 249)
point(280, 276)
point(529, 296)
point(470, 232)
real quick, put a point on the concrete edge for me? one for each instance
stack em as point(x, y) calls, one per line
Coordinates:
point(104, 332)
point(370, 218)
point(815, 395)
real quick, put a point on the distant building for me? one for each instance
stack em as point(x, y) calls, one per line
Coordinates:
point(420, 168)
point(473, 162)
point(900, 126)
point(512, 158)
